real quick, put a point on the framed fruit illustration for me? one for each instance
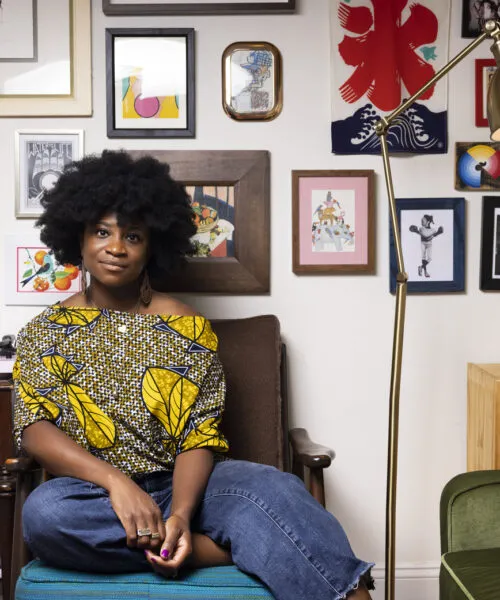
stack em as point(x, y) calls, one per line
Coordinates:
point(34, 277)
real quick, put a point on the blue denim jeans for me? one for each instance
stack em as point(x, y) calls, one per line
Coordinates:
point(275, 528)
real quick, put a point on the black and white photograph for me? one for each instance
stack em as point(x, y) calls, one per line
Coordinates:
point(432, 237)
point(475, 13)
point(41, 156)
point(490, 244)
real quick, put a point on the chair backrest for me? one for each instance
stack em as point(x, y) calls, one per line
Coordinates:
point(255, 419)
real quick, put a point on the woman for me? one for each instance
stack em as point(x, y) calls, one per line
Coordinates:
point(119, 395)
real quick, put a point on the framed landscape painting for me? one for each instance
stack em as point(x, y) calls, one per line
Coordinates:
point(333, 222)
point(433, 241)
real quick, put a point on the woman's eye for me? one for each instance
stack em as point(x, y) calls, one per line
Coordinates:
point(101, 232)
point(133, 237)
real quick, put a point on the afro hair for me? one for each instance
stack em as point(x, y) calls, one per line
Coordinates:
point(136, 190)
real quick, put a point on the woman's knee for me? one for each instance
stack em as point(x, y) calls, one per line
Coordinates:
point(49, 508)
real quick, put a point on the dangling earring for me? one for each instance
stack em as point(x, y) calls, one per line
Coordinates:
point(83, 271)
point(146, 292)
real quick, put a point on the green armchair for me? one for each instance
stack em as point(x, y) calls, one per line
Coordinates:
point(470, 537)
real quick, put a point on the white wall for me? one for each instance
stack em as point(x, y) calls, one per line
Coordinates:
point(338, 328)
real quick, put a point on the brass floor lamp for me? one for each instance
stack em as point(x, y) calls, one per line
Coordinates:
point(491, 30)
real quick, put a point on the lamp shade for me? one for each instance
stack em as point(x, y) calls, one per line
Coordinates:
point(493, 99)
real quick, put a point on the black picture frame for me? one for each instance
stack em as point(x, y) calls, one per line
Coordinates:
point(186, 107)
point(451, 213)
point(248, 171)
point(474, 17)
point(110, 8)
point(489, 279)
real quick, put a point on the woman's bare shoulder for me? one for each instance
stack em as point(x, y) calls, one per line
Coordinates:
point(163, 304)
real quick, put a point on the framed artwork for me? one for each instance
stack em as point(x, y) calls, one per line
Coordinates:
point(19, 31)
point(485, 67)
point(252, 86)
point(490, 245)
point(229, 191)
point(33, 276)
point(433, 240)
point(477, 166)
point(333, 216)
point(475, 13)
point(150, 83)
point(61, 84)
point(41, 156)
point(191, 7)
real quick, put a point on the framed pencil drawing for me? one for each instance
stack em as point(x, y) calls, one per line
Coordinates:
point(333, 215)
point(61, 83)
point(433, 241)
point(484, 69)
point(150, 83)
point(32, 275)
point(193, 7)
point(490, 245)
point(252, 81)
point(40, 157)
point(229, 191)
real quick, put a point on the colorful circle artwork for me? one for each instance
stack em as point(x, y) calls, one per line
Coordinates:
point(475, 160)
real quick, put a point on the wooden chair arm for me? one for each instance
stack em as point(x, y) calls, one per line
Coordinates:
point(21, 464)
point(307, 452)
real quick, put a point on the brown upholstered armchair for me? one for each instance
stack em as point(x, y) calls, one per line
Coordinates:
point(255, 421)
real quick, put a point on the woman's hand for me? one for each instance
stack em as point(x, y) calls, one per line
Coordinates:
point(137, 510)
point(175, 550)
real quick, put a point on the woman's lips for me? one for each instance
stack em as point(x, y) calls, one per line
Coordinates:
point(113, 266)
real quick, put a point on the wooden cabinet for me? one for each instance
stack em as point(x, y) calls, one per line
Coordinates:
point(483, 416)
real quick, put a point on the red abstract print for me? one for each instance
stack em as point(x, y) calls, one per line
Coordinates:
point(383, 51)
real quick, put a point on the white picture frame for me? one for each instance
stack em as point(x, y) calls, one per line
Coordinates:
point(74, 94)
point(18, 31)
point(40, 157)
point(31, 273)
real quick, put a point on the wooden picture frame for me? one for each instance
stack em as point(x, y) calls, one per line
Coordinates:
point(41, 155)
point(433, 241)
point(489, 279)
point(247, 271)
point(333, 214)
point(252, 86)
point(77, 99)
point(189, 7)
point(477, 166)
point(484, 69)
point(147, 97)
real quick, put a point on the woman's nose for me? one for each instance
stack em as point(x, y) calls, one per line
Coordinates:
point(116, 245)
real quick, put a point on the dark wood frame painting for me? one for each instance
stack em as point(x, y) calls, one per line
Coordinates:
point(112, 130)
point(248, 272)
point(197, 8)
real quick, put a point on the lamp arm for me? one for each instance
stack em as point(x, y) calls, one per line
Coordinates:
point(492, 30)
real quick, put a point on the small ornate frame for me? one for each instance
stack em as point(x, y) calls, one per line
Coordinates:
point(252, 88)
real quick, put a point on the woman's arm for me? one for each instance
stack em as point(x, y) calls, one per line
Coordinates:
point(61, 456)
point(191, 472)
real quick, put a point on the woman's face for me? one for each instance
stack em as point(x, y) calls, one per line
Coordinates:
point(114, 255)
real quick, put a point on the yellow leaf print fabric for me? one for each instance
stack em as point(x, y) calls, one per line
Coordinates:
point(134, 390)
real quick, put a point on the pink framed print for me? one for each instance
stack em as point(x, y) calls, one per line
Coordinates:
point(333, 216)
point(33, 276)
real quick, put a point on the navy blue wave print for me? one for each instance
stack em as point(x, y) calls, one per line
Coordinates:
point(418, 130)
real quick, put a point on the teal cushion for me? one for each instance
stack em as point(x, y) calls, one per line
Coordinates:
point(471, 574)
point(40, 582)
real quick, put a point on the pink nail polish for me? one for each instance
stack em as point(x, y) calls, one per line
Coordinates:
point(154, 559)
point(164, 553)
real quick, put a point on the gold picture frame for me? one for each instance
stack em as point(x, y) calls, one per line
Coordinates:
point(79, 101)
point(252, 88)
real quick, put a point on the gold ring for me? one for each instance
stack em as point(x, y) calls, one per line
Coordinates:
point(155, 536)
point(145, 531)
